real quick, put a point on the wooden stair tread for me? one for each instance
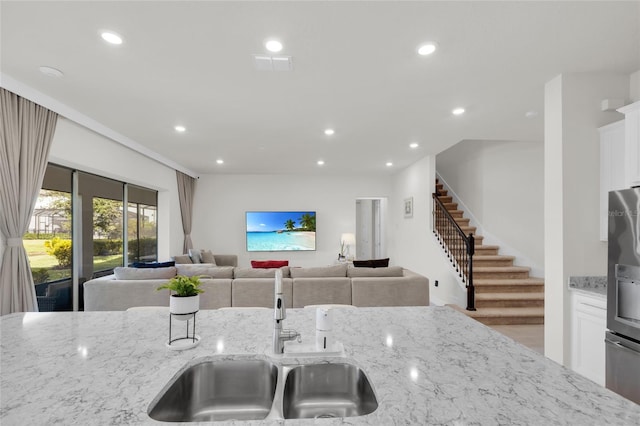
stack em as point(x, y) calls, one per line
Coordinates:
point(502, 312)
point(507, 312)
point(492, 257)
point(508, 281)
point(510, 296)
point(488, 247)
point(501, 269)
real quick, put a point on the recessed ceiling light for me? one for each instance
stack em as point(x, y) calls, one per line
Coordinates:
point(180, 129)
point(273, 46)
point(458, 111)
point(111, 37)
point(51, 72)
point(531, 114)
point(413, 145)
point(220, 161)
point(389, 164)
point(320, 162)
point(427, 48)
point(329, 132)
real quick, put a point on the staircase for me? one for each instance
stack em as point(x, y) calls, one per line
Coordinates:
point(504, 293)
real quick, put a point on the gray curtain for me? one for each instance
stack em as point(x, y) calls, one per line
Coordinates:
point(26, 131)
point(186, 189)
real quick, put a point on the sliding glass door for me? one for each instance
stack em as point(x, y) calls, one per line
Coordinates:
point(77, 232)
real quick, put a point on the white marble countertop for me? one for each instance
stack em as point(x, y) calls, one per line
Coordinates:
point(429, 366)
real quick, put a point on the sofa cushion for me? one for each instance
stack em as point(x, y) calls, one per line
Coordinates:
point(269, 263)
point(208, 257)
point(260, 272)
point(320, 272)
point(206, 270)
point(153, 264)
point(183, 259)
point(126, 273)
point(393, 271)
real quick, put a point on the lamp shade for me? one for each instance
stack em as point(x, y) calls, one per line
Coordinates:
point(348, 239)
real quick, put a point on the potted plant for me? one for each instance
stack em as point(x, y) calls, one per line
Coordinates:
point(186, 299)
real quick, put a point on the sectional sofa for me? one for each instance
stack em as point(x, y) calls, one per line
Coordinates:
point(227, 285)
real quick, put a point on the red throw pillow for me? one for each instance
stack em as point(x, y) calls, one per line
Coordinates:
point(269, 263)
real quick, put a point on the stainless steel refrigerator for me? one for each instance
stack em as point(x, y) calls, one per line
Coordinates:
point(622, 340)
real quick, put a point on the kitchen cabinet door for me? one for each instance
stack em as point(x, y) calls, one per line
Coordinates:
point(589, 323)
point(612, 168)
point(632, 143)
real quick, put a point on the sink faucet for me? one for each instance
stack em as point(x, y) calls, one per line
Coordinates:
point(280, 313)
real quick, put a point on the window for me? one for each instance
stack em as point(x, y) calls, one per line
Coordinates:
point(98, 233)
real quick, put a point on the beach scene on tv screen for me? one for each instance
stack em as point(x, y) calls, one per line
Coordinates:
point(281, 231)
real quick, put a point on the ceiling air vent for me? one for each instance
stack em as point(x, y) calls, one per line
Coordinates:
point(273, 63)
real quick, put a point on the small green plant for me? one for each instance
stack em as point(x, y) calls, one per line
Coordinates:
point(61, 249)
point(183, 286)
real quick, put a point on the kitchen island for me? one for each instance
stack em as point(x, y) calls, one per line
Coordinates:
point(428, 366)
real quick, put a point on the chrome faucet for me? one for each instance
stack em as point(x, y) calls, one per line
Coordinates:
point(279, 335)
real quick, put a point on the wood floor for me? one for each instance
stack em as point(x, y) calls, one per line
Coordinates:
point(529, 335)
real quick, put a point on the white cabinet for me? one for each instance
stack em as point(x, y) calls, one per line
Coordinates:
point(632, 143)
point(612, 168)
point(588, 326)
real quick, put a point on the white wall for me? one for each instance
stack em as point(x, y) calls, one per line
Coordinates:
point(572, 154)
point(634, 86)
point(501, 183)
point(222, 200)
point(77, 147)
point(412, 239)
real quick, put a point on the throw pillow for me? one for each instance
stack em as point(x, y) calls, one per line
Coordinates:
point(371, 263)
point(153, 264)
point(208, 257)
point(182, 259)
point(393, 271)
point(195, 255)
point(380, 263)
point(269, 263)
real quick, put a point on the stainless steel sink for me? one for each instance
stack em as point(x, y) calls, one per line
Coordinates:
point(241, 389)
point(327, 390)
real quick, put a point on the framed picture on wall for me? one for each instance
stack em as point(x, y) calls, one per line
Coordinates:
point(408, 207)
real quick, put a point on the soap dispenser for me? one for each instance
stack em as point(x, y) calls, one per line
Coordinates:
point(324, 333)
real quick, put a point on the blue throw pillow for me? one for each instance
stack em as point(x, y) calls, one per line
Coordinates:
point(153, 264)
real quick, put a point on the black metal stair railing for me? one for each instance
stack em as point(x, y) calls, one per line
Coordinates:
point(458, 246)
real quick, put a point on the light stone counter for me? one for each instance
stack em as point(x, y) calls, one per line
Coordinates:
point(596, 285)
point(429, 366)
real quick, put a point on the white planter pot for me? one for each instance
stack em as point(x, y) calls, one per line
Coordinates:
point(182, 306)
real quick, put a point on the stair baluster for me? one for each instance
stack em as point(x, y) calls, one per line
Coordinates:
point(458, 246)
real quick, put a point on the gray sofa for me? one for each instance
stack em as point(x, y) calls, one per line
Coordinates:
point(227, 285)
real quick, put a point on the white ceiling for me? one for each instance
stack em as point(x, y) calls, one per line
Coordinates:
point(355, 70)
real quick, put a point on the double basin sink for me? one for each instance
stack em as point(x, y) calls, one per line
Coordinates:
point(258, 389)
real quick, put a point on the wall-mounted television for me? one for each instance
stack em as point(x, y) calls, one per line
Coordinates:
point(281, 231)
